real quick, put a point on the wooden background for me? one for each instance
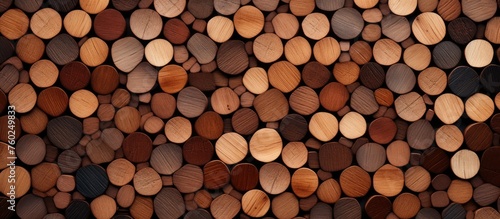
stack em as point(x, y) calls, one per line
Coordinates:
point(250, 108)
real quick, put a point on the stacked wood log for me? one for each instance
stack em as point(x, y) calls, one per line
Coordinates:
point(249, 109)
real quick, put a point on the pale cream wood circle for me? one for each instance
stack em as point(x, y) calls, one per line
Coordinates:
point(266, 145)
point(479, 53)
point(323, 126)
point(220, 29)
point(465, 164)
point(352, 125)
point(255, 80)
point(159, 52)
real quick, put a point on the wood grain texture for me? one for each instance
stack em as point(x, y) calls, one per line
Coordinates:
point(252, 108)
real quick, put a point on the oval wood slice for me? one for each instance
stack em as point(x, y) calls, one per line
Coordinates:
point(396, 27)
point(170, 165)
point(120, 172)
point(284, 76)
point(346, 72)
point(479, 107)
point(323, 126)
point(294, 154)
point(489, 79)
point(352, 125)
point(285, 205)
point(94, 52)
point(127, 53)
point(248, 21)
point(315, 26)
point(274, 178)
point(146, 24)
point(163, 105)
point(210, 125)
point(410, 106)
point(245, 121)
point(142, 79)
point(465, 164)
point(400, 78)
point(29, 48)
point(489, 166)
point(215, 175)
point(31, 206)
point(231, 148)
point(304, 182)
point(371, 157)
point(172, 78)
point(304, 100)
point(378, 206)
point(224, 101)
point(479, 11)
point(386, 52)
point(432, 81)
point(420, 135)
point(255, 203)
point(176, 31)
point(347, 23)
point(169, 203)
point(382, 130)
point(267, 47)
point(98, 152)
point(62, 49)
point(220, 29)
point(168, 8)
point(449, 138)
point(77, 23)
point(417, 179)
point(355, 182)
point(83, 103)
point(43, 73)
point(127, 119)
point(460, 191)
point(18, 24)
point(22, 97)
point(271, 105)
point(372, 75)
point(188, 179)
point(256, 80)
point(64, 132)
point(74, 76)
point(225, 206)
point(46, 23)
point(109, 24)
point(23, 181)
point(329, 191)
point(406, 205)
point(326, 50)
point(333, 96)
point(388, 180)
point(315, 75)
point(363, 101)
point(478, 53)
point(285, 25)
point(202, 47)
point(429, 28)
point(91, 181)
point(232, 58)
point(53, 101)
point(197, 150)
point(266, 145)
point(244, 176)
point(191, 102)
point(103, 206)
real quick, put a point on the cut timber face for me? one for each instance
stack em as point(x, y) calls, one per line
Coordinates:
point(203, 109)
